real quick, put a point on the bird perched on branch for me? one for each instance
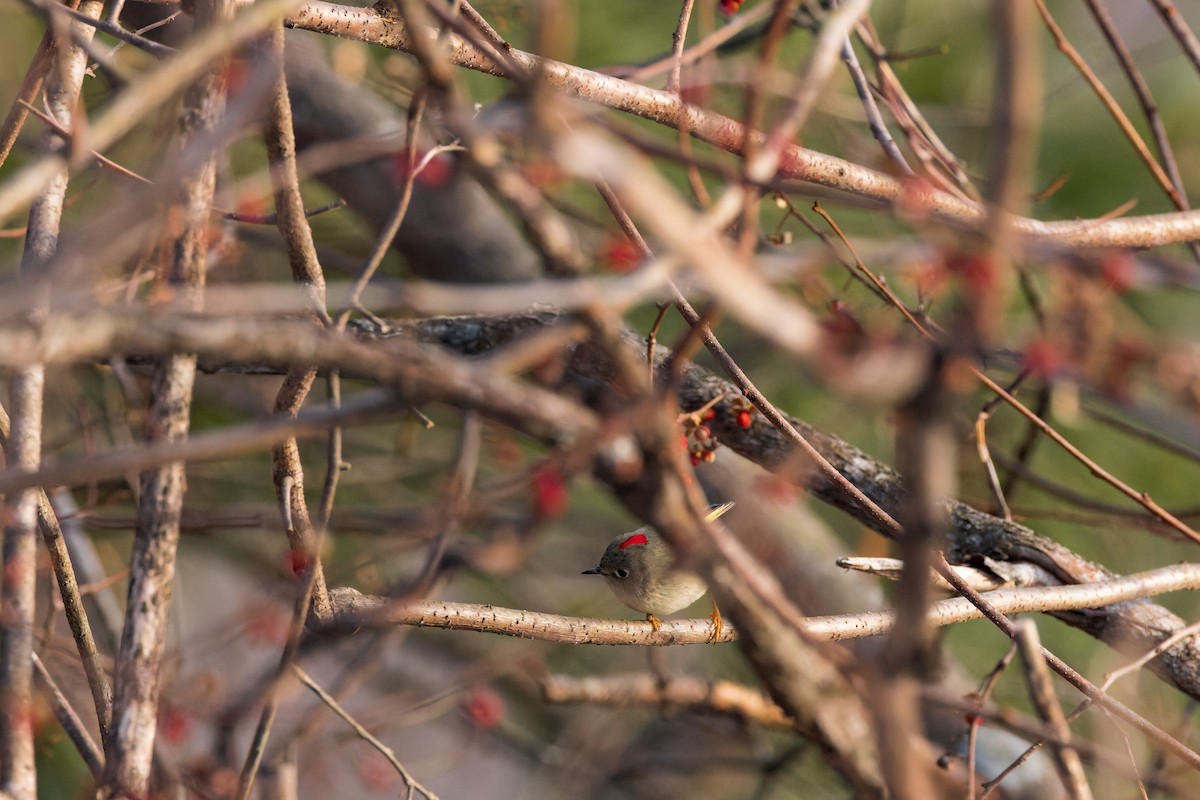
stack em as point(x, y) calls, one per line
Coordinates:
point(640, 569)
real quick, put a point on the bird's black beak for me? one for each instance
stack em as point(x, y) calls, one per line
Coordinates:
point(592, 571)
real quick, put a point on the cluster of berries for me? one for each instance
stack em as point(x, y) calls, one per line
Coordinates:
point(698, 438)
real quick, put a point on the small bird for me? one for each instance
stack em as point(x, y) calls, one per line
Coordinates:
point(640, 569)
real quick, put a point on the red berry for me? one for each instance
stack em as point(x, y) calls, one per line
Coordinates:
point(1119, 272)
point(1044, 358)
point(709, 456)
point(485, 707)
point(695, 459)
point(710, 415)
point(266, 626)
point(549, 494)
point(297, 561)
point(620, 254)
point(174, 724)
point(433, 174)
point(744, 419)
point(979, 271)
point(702, 433)
point(376, 772)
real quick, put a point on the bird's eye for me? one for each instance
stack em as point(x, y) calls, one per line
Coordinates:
point(621, 572)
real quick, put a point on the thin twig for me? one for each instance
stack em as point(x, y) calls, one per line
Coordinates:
point(874, 119)
point(387, 234)
point(678, 38)
point(273, 219)
point(409, 782)
point(1175, 21)
point(31, 84)
point(1146, 100)
point(1110, 103)
point(1041, 692)
point(71, 723)
point(111, 28)
point(102, 160)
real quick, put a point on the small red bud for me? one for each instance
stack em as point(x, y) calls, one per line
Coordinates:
point(620, 254)
point(297, 561)
point(485, 707)
point(1119, 272)
point(549, 493)
point(174, 724)
point(702, 433)
point(1044, 357)
point(744, 419)
point(709, 456)
point(710, 415)
point(695, 459)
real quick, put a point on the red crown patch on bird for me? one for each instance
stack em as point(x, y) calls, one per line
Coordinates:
point(637, 538)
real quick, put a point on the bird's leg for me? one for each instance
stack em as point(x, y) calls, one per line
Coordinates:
point(717, 624)
point(654, 623)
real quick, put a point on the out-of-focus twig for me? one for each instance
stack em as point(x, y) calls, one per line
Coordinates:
point(71, 723)
point(1110, 103)
point(719, 697)
point(1041, 691)
point(387, 752)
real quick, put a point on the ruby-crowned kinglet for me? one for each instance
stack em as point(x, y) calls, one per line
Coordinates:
point(640, 569)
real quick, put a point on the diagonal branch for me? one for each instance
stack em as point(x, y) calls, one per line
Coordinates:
point(375, 27)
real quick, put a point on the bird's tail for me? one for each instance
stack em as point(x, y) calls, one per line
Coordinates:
point(718, 510)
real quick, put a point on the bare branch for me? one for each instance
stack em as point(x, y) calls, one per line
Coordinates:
point(680, 692)
point(138, 673)
point(369, 25)
point(353, 610)
point(1041, 691)
point(363, 733)
point(71, 723)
